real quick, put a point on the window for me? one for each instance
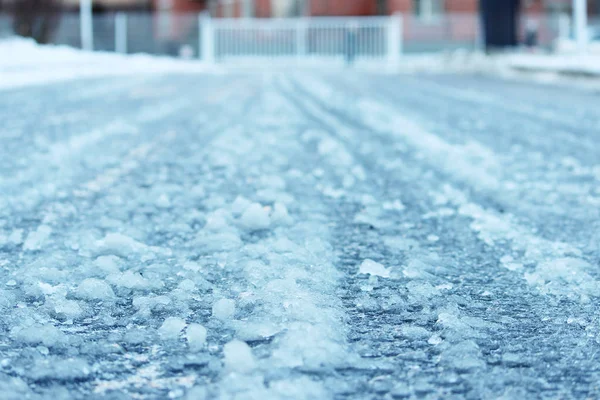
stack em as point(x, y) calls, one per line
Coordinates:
point(428, 10)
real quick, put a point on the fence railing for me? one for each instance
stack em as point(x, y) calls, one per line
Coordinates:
point(367, 38)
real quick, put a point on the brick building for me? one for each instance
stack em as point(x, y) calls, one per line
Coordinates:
point(288, 8)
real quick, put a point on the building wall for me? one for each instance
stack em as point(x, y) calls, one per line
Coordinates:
point(268, 8)
point(112, 4)
point(179, 5)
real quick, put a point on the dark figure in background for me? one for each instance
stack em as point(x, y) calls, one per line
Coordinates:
point(350, 43)
point(500, 21)
point(103, 28)
point(531, 34)
point(37, 19)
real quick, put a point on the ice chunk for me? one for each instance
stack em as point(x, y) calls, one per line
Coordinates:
point(368, 199)
point(298, 346)
point(283, 245)
point(421, 289)
point(252, 331)
point(433, 238)
point(464, 356)
point(94, 289)
point(7, 299)
point(16, 237)
point(217, 221)
point(187, 285)
point(359, 172)
point(240, 205)
point(196, 336)
point(133, 280)
point(414, 332)
point(223, 309)
point(273, 181)
point(148, 303)
point(274, 196)
point(163, 201)
point(434, 340)
point(222, 241)
point(565, 276)
point(280, 214)
point(38, 238)
point(119, 245)
point(348, 181)
point(171, 328)
point(513, 266)
point(71, 369)
point(416, 269)
point(197, 192)
point(371, 267)
point(197, 393)
point(395, 205)
point(256, 217)
point(400, 243)
point(238, 357)
point(108, 264)
point(67, 308)
point(48, 335)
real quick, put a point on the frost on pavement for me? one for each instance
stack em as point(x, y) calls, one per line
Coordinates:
point(321, 239)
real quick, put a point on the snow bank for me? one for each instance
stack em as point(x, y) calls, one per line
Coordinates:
point(566, 64)
point(23, 63)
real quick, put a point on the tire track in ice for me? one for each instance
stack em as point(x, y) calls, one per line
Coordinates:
point(480, 170)
point(541, 174)
point(58, 168)
point(576, 105)
point(462, 327)
point(380, 328)
point(491, 225)
point(151, 125)
point(30, 128)
point(281, 277)
point(286, 284)
point(145, 104)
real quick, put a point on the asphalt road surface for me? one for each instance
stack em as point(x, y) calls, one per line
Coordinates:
point(299, 236)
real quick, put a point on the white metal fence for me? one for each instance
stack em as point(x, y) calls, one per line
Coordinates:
point(367, 39)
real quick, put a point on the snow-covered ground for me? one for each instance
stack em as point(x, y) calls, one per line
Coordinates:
point(298, 235)
point(571, 64)
point(24, 63)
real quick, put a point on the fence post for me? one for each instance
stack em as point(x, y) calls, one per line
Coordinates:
point(564, 26)
point(301, 30)
point(580, 18)
point(394, 40)
point(207, 38)
point(121, 33)
point(86, 25)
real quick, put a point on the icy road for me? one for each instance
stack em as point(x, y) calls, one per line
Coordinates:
point(299, 236)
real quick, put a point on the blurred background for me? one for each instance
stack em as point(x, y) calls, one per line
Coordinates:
point(217, 30)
